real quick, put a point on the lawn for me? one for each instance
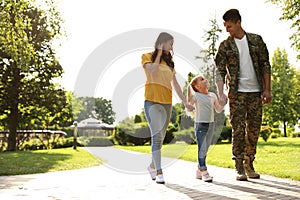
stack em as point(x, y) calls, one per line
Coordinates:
point(278, 157)
point(40, 161)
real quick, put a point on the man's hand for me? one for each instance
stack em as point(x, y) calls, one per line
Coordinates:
point(266, 98)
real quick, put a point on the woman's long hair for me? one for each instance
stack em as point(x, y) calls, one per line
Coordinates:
point(168, 58)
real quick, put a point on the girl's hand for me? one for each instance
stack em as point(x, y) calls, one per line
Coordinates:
point(188, 106)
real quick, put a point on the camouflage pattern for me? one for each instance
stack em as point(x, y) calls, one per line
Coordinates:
point(227, 61)
point(245, 108)
point(245, 119)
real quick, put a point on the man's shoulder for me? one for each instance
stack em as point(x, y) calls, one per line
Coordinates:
point(253, 36)
point(227, 41)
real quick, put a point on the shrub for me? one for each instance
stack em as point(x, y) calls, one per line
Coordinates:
point(265, 133)
point(141, 136)
point(32, 144)
point(98, 141)
point(186, 135)
point(276, 131)
point(53, 143)
point(290, 131)
point(132, 134)
point(119, 136)
point(275, 135)
point(296, 134)
point(226, 134)
point(169, 138)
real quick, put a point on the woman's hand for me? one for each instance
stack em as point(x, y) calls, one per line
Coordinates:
point(160, 49)
point(223, 99)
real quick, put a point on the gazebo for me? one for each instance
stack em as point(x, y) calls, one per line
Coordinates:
point(94, 127)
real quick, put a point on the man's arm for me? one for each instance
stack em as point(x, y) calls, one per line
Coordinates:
point(267, 89)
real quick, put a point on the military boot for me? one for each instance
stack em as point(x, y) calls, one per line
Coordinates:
point(240, 172)
point(248, 165)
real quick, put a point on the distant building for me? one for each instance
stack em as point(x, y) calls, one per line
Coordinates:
point(94, 127)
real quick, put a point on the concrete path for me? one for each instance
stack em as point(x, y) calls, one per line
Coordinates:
point(124, 176)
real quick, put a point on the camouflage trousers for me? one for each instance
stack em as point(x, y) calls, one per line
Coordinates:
point(245, 118)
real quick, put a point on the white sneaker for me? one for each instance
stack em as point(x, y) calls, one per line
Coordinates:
point(206, 177)
point(152, 172)
point(198, 174)
point(160, 179)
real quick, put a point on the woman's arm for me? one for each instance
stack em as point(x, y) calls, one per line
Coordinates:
point(178, 90)
point(218, 106)
point(190, 98)
point(152, 67)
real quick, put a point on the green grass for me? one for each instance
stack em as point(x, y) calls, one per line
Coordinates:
point(278, 157)
point(40, 161)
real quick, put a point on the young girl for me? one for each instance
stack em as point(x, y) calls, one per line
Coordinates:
point(205, 103)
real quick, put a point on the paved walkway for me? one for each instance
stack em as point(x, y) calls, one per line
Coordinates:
point(123, 176)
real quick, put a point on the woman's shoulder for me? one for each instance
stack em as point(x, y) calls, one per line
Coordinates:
point(146, 57)
point(149, 54)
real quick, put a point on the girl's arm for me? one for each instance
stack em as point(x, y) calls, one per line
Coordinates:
point(178, 90)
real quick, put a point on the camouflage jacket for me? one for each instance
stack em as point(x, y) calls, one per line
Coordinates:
point(227, 61)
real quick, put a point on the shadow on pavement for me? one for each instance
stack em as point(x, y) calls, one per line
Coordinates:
point(195, 194)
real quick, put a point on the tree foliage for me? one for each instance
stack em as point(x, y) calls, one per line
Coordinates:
point(291, 12)
point(99, 108)
point(211, 38)
point(28, 65)
point(284, 107)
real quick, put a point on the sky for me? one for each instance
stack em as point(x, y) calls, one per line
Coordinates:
point(101, 53)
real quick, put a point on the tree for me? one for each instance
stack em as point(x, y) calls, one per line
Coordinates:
point(98, 108)
point(284, 107)
point(104, 111)
point(28, 65)
point(208, 58)
point(291, 12)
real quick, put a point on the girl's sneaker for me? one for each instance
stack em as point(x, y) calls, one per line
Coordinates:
point(160, 179)
point(206, 177)
point(198, 174)
point(152, 172)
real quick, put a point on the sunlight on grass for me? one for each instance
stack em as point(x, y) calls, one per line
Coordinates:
point(278, 157)
point(40, 161)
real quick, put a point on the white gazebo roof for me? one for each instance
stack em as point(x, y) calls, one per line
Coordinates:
point(93, 123)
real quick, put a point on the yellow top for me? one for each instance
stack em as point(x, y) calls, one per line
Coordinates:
point(158, 85)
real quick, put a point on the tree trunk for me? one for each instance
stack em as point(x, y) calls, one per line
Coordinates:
point(13, 122)
point(14, 112)
point(284, 129)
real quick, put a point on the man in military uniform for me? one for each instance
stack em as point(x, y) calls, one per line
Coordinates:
point(242, 62)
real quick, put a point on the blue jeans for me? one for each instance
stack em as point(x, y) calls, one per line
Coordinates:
point(158, 117)
point(203, 133)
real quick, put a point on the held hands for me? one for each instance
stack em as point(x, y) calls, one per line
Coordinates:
point(188, 106)
point(223, 99)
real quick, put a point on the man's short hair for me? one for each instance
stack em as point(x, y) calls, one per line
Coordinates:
point(232, 15)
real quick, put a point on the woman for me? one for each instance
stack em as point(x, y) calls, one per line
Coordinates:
point(160, 73)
